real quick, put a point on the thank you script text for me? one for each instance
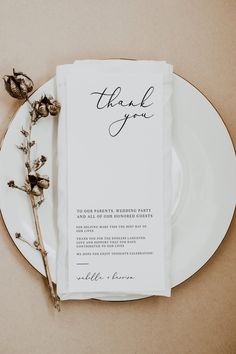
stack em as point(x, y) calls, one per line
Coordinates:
point(108, 100)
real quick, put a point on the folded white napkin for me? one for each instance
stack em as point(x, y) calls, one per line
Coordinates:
point(114, 178)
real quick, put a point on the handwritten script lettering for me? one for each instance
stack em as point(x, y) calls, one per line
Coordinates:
point(111, 100)
point(97, 276)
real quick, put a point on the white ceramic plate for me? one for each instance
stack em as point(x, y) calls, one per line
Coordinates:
point(204, 182)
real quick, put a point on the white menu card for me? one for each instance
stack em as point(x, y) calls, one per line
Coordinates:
point(114, 178)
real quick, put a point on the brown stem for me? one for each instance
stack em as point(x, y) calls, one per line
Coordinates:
point(26, 241)
point(39, 238)
point(20, 188)
point(29, 136)
point(41, 248)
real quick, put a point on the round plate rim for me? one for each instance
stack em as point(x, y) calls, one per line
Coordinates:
point(231, 215)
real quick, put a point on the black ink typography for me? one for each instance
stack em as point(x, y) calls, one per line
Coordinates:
point(111, 100)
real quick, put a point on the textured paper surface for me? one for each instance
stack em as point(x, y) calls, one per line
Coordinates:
point(118, 175)
point(198, 37)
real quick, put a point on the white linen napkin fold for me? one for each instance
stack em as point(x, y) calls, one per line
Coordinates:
point(82, 124)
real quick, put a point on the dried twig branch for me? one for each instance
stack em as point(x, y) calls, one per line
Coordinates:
point(18, 86)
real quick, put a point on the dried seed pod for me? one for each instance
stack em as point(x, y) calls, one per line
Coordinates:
point(43, 158)
point(23, 89)
point(22, 78)
point(12, 87)
point(54, 108)
point(43, 183)
point(11, 184)
point(43, 110)
point(36, 105)
point(33, 178)
point(36, 191)
point(18, 85)
point(39, 110)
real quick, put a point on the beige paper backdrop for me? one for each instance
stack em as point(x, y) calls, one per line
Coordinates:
point(198, 37)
